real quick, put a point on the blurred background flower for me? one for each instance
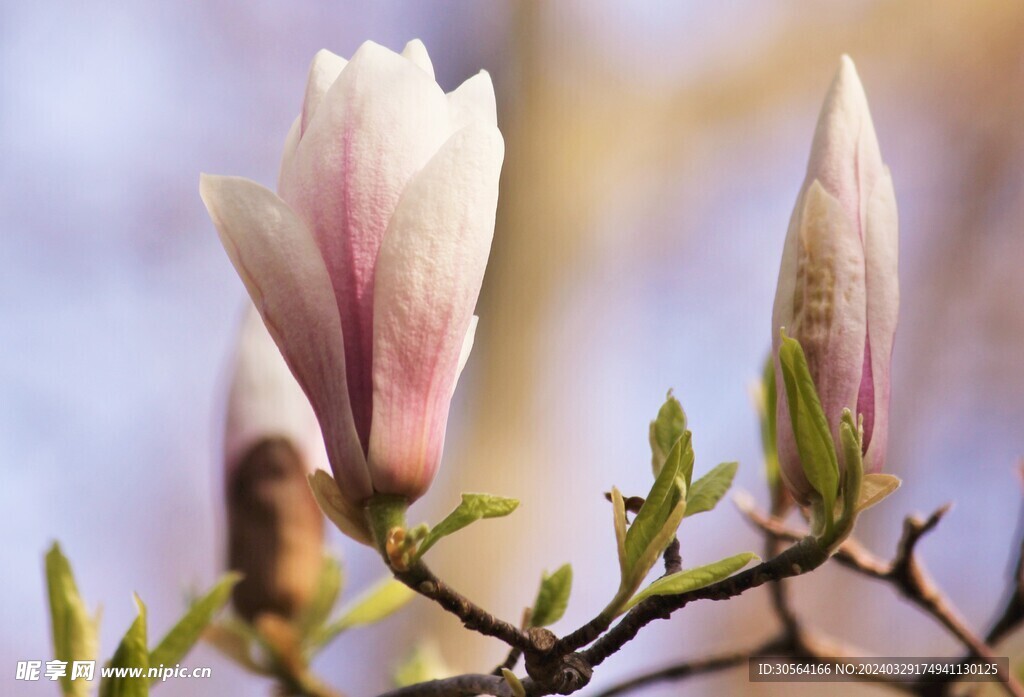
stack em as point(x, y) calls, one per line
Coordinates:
point(653, 154)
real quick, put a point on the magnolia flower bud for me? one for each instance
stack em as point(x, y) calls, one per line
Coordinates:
point(838, 292)
point(367, 265)
point(272, 441)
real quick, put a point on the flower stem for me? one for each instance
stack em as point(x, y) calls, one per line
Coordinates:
point(384, 512)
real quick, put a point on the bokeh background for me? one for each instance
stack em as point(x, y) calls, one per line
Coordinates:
point(654, 151)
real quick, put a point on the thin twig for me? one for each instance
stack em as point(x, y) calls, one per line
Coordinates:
point(906, 573)
point(515, 653)
point(459, 686)
point(803, 646)
point(422, 580)
point(802, 557)
point(589, 632)
point(682, 671)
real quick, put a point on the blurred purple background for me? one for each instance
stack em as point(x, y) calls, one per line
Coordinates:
point(654, 152)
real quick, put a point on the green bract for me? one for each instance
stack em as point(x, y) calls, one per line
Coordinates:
point(810, 428)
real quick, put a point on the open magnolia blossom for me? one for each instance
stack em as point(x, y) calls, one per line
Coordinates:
point(271, 443)
point(838, 292)
point(367, 263)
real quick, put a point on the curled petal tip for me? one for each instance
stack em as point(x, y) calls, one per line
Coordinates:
point(416, 52)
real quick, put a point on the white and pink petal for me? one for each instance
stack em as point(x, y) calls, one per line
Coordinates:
point(282, 269)
point(428, 279)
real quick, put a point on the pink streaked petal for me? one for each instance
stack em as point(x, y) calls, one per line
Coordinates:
point(832, 339)
point(291, 143)
point(280, 264)
point(844, 156)
point(467, 348)
point(784, 317)
point(324, 70)
point(473, 100)
point(416, 52)
point(881, 256)
point(265, 401)
point(428, 279)
point(378, 124)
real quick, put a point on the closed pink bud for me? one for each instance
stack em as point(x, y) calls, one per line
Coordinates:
point(838, 292)
point(367, 264)
point(272, 441)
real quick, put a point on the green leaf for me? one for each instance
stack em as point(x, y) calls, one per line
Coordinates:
point(668, 488)
point(694, 579)
point(75, 636)
point(380, 600)
point(810, 427)
point(875, 488)
point(666, 430)
point(619, 519)
point(183, 636)
point(328, 588)
point(850, 437)
point(131, 653)
point(473, 508)
point(650, 556)
point(552, 597)
point(767, 408)
point(707, 491)
point(513, 682)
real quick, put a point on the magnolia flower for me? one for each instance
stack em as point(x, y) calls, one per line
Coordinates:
point(838, 292)
point(271, 442)
point(367, 263)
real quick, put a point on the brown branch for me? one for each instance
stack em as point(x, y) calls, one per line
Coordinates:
point(906, 573)
point(850, 554)
point(700, 666)
point(1013, 612)
point(803, 645)
point(589, 632)
point(800, 558)
point(422, 580)
point(555, 666)
point(515, 653)
point(460, 686)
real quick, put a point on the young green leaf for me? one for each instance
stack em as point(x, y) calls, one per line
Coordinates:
point(75, 636)
point(876, 487)
point(619, 519)
point(707, 491)
point(328, 588)
point(694, 579)
point(182, 636)
point(552, 597)
point(810, 428)
point(665, 430)
point(670, 485)
point(767, 411)
point(649, 557)
point(513, 682)
point(380, 600)
point(851, 437)
point(131, 653)
point(473, 508)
